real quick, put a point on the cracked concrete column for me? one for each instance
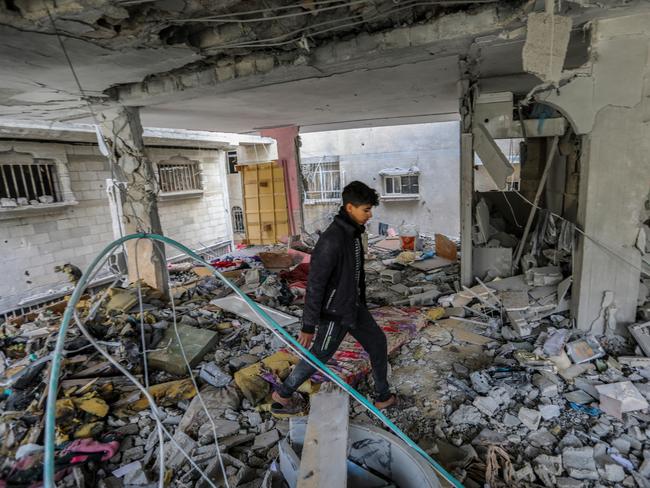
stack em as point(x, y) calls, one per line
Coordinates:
point(609, 106)
point(122, 131)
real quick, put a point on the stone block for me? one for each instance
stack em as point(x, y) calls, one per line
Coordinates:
point(579, 463)
point(466, 414)
point(529, 417)
point(486, 404)
point(549, 411)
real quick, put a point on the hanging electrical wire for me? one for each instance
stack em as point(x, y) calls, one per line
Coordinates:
point(270, 41)
point(227, 18)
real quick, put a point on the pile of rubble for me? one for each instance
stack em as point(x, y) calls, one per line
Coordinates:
point(545, 405)
point(498, 387)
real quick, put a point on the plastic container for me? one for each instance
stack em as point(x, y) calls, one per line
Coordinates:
point(408, 234)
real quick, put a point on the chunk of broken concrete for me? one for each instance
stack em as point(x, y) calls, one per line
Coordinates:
point(213, 375)
point(466, 414)
point(579, 463)
point(618, 398)
point(217, 400)
point(549, 411)
point(196, 343)
point(529, 417)
point(266, 440)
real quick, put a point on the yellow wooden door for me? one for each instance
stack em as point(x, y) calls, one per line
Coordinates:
point(265, 203)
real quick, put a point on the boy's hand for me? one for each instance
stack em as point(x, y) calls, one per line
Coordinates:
point(305, 339)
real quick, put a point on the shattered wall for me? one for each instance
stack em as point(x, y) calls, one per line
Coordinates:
point(32, 246)
point(363, 153)
point(611, 105)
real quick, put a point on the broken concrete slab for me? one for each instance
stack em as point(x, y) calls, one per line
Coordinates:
point(619, 398)
point(324, 453)
point(217, 401)
point(493, 159)
point(266, 440)
point(213, 375)
point(545, 276)
point(529, 417)
point(196, 343)
point(466, 414)
point(489, 263)
point(579, 463)
point(235, 304)
point(541, 57)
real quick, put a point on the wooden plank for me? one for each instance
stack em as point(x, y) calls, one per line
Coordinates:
point(324, 453)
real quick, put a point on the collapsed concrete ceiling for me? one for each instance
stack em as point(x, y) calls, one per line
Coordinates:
point(241, 65)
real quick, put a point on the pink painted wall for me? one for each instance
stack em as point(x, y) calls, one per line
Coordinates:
point(286, 138)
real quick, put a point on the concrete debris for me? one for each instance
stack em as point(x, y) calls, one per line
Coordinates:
point(619, 398)
point(579, 463)
point(497, 364)
point(529, 417)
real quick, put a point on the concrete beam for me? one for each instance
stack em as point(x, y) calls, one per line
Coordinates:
point(466, 207)
point(325, 448)
point(447, 35)
point(123, 133)
point(152, 136)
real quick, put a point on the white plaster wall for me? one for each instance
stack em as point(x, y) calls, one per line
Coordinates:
point(612, 107)
point(32, 246)
point(198, 220)
point(36, 244)
point(363, 153)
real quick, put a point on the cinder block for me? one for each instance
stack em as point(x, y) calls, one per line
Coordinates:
point(22, 230)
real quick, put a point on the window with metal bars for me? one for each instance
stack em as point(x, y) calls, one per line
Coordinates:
point(28, 183)
point(179, 175)
point(323, 179)
point(237, 220)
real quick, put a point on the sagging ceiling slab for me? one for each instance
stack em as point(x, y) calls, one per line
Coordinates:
point(238, 66)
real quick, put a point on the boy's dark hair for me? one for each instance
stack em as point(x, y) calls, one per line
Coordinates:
point(358, 193)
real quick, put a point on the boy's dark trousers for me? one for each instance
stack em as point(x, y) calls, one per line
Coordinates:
point(329, 335)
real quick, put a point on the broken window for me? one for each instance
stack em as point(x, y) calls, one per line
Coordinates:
point(27, 181)
point(323, 179)
point(400, 182)
point(179, 175)
point(237, 220)
point(232, 162)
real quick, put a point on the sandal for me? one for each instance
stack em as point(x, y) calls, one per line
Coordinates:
point(394, 399)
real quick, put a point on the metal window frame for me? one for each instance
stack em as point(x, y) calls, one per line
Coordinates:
point(398, 185)
point(238, 226)
point(326, 180)
point(35, 184)
point(179, 176)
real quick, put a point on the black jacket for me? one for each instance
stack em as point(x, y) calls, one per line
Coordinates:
point(331, 287)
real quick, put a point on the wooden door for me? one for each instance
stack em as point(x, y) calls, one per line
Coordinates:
point(265, 202)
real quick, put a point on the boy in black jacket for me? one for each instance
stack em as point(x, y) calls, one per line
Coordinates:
point(335, 303)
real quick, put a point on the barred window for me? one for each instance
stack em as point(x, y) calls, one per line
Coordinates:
point(28, 181)
point(237, 220)
point(323, 179)
point(178, 175)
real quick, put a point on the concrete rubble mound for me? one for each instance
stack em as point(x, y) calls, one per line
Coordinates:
point(494, 382)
